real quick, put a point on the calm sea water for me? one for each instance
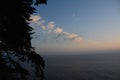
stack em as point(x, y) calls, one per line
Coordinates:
point(83, 67)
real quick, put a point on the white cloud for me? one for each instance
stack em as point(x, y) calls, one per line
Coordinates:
point(35, 18)
point(65, 33)
point(40, 22)
point(57, 33)
point(51, 25)
point(58, 30)
point(73, 36)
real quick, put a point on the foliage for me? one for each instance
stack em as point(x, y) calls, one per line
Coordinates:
point(15, 40)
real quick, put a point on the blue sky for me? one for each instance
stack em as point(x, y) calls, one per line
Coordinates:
point(77, 25)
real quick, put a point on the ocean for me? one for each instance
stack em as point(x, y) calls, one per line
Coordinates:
point(82, 67)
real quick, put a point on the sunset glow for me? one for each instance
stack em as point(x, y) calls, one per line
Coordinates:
point(84, 25)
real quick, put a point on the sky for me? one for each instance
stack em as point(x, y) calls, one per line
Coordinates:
point(76, 26)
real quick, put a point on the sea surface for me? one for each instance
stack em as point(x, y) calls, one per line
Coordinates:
point(82, 67)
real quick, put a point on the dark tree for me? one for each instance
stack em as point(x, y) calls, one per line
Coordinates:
point(15, 40)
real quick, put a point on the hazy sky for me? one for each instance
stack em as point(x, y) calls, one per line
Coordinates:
point(77, 25)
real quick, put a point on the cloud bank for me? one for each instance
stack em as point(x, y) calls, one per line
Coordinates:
point(51, 29)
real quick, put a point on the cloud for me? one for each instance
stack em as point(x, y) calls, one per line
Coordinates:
point(68, 36)
point(73, 36)
point(51, 25)
point(35, 18)
point(58, 30)
point(40, 22)
point(65, 33)
point(54, 32)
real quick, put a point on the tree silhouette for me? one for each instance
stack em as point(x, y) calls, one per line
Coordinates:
point(15, 40)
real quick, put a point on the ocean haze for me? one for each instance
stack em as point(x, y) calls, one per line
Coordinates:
point(79, 52)
point(82, 67)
